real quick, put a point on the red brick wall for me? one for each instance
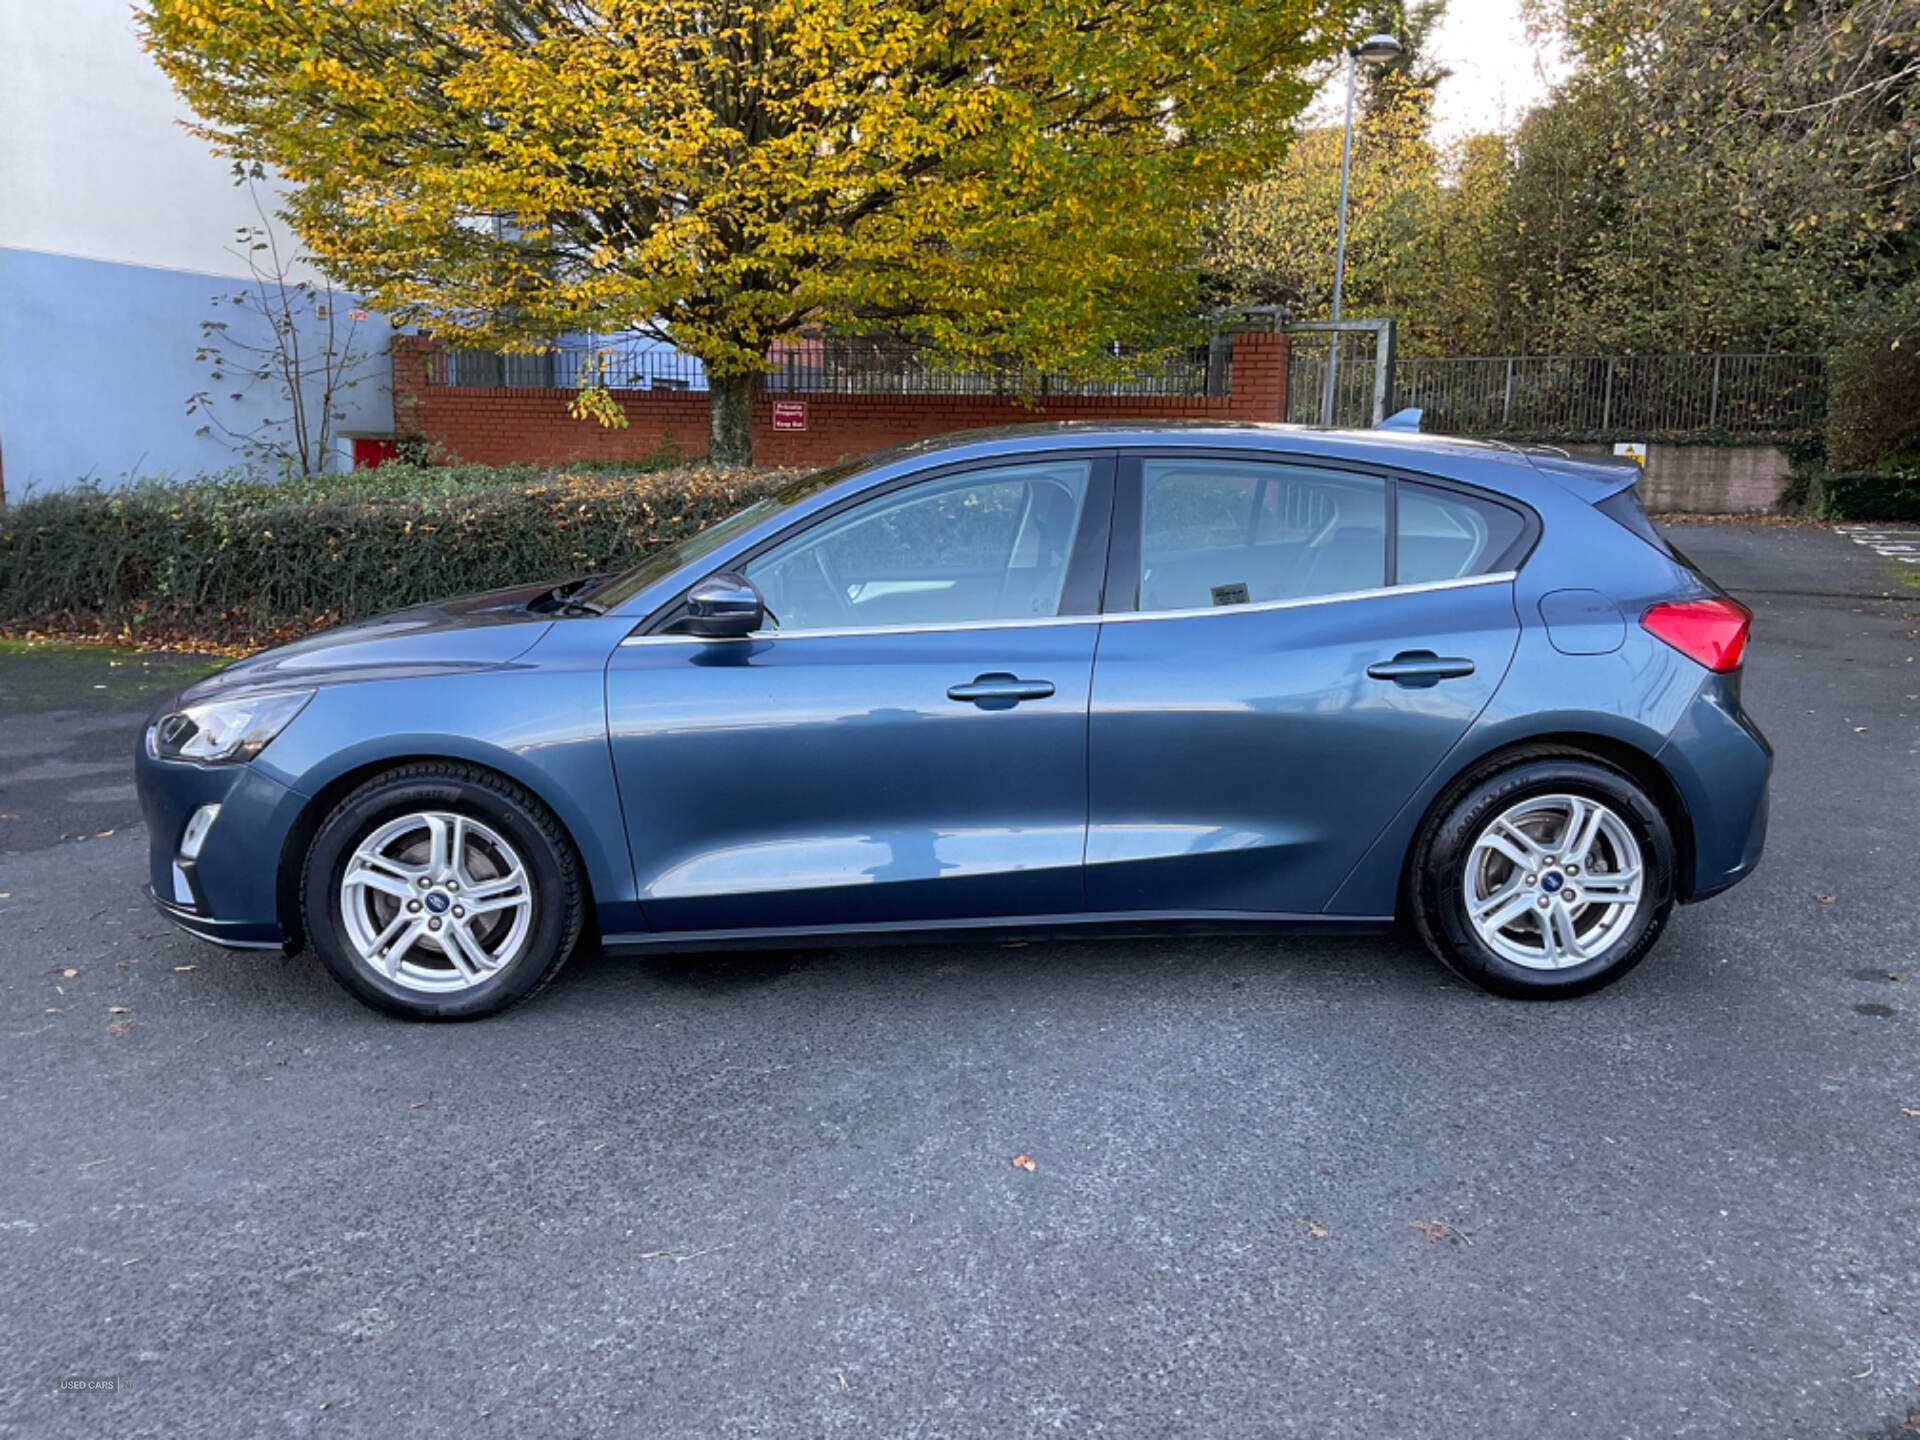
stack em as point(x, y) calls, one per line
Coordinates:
point(496, 426)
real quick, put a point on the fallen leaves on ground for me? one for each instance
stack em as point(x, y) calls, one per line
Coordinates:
point(1434, 1231)
point(681, 1256)
point(119, 1027)
point(1824, 899)
point(119, 1009)
point(1909, 1110)
point(179, 969)
point(1024, 1162)
point(1314, 1228)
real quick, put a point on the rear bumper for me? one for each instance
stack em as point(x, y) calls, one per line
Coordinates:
point(1721, 764)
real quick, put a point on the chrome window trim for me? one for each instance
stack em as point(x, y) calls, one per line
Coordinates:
point(1121, 617)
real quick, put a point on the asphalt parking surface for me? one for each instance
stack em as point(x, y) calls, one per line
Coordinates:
point(772, 1195)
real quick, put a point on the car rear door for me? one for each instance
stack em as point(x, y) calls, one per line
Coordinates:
point(1290, 648)
point(909, 744)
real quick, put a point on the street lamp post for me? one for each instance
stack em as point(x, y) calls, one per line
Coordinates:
point(1375, 50)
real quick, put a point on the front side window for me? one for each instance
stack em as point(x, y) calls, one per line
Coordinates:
point(1239, 532)
point(985, 545)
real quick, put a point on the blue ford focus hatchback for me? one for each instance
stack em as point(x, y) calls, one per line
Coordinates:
point(1046, 680)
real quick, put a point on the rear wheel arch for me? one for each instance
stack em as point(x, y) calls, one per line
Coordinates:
point(1544, 878)
point(1637, 764)
point(323, 802)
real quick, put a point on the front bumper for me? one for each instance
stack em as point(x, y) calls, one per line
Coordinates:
point(231, 893)
point(232, 934)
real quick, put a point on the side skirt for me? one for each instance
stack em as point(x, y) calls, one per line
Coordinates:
point(1118, 924)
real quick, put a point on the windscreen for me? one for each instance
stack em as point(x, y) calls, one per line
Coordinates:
point(662, 563)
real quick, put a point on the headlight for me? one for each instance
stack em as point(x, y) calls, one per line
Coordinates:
point(223, 729)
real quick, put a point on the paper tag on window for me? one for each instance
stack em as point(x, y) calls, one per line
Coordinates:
point(1235, 594)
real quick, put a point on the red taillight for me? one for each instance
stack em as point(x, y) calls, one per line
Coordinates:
point(1714, 632)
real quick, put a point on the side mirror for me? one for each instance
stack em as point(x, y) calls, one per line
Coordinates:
point(724, 605)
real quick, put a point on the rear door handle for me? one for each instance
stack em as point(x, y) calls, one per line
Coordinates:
point(1417, 669)
point(1000, 691)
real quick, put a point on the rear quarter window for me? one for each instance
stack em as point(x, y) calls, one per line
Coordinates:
point(1446, 535)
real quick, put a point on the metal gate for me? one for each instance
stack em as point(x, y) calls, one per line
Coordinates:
point(1340, 372)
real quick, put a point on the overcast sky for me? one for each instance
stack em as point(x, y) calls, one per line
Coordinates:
point(1496, 74)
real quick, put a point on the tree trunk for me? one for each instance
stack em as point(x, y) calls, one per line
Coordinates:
point(730, 418)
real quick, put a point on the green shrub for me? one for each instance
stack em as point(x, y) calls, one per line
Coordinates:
point(1892, 494)
point(233, 560)
point(1873, 397)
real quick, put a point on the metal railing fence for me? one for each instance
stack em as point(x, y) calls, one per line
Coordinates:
point(839, 365)
point(1543, 396)
point(573, 364)
point(1624, 396)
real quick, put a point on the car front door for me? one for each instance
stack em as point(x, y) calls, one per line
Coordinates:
point(1268, 690)
point(906, 740)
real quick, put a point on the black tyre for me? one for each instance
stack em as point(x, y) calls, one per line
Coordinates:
point(439, 891)
point(1548, 877)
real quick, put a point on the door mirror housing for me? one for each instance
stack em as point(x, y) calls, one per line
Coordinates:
point(723, 606)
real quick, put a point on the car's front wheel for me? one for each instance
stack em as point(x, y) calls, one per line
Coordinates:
point(439, 891)
point(1548, 878)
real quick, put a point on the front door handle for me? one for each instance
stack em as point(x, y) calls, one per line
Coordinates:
point(1417, 669)
point(1000, 691)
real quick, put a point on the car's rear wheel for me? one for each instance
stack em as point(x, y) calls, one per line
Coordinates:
point(1546, 878)
point(442, 892)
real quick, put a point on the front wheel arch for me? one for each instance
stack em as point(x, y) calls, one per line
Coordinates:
point(321, 804)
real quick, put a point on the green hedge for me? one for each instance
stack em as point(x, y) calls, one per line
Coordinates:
point(1888, 495)
point(236, 561)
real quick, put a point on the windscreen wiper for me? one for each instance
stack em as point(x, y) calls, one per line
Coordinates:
point(565, 599)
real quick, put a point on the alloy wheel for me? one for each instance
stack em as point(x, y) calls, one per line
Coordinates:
point(436, 902)
point(1553, 881)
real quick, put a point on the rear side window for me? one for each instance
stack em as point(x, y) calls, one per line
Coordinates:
point(1444, 535)
point(1239, 532)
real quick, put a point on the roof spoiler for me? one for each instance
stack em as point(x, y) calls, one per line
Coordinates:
point(1401, 420)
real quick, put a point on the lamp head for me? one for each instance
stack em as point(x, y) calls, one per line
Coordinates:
point(1377, 49)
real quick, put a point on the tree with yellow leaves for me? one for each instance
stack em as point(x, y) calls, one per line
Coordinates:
point(997, 177)
point(1272, 241)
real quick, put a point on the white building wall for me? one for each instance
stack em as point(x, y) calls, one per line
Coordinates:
point(117, 233)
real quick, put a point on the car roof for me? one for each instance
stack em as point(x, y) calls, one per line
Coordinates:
point(1494, 465)
point(1487, 462)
